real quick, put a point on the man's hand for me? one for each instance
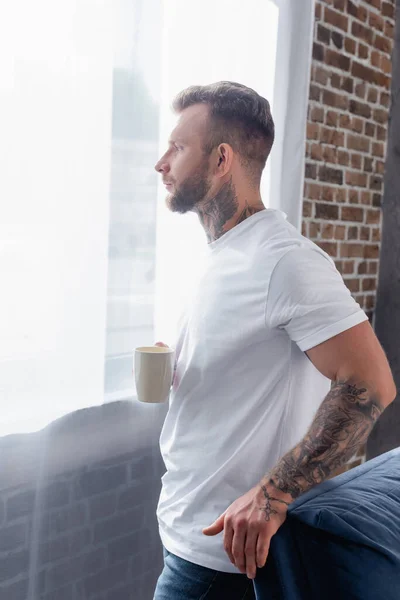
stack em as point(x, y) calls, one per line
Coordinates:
point(249, 524)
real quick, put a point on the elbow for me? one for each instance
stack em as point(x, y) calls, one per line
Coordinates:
point(388, 393)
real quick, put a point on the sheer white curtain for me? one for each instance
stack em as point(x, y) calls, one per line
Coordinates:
point(55, 98)
point(92, 264)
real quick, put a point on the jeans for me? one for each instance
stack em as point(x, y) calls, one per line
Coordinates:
point(183, 580)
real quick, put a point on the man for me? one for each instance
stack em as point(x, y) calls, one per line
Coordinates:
point(279, 376)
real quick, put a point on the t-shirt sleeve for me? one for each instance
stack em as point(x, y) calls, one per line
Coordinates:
point(308, 298)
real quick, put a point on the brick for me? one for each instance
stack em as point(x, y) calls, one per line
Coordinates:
point(310, 171)
point(378, 149)
point(361, 90)
point(14, 564)
point(20, 504)
point(365, 197)
point(318, 52)
point(366, 73)
point(351, 250)
point(304, 229)
point(377, 200)
point(348, 267)
point(362, 32)
point(363, 51)
point(357, 125)
point(348, 84)
point(331, 136)
point(350, 45)
point(330, 174)
point(381, 133)
point(356, 161)
point(373, 217)
point(336, 19)
point(380, 115)
point(67, 592)
point(63, 519)
point(329, 154)
point(353, 196)
point(388, 10)
point(55, 495)
point(339, 4)
point(327, 231)
point(2, 511)
point(336, 81)
point(323, 35)
point(365, 234)
point(54, 550)
point(352, 284)
point(368, 164)
point(128, 545)
point(326, 211)
point(373, 268)
point(386, 65)
point(370, 129)
point(15, 591)
point(372, 95)
point(331, 99)
point(100, 480)
point(380, 167)
point(328, 193)
point(359, 12)
point(376, 235)
point(384, 99)
point(312, 131)
point(317, 114)
point(389, 30)
point(375, 182)
point(343, 158)
point(358, 142)
point(352, 233)
point(360, 108)
point(313, 191)
point(314, 229)
point(307, 206)
point(337, 39)
point(383, 44)
point(362, 268)
point(376, 21)
point(328, 247)
point(371, 251)
point(357, 179)
point(375, 59)
point(341, 194)
point(102, 506)
point(331, 118)
point(12, 537)
point(337, 60)
point(314, 92)
point(321, 75)
point(352, 213)
point(316, 152)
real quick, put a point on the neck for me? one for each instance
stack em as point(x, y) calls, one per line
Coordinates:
point(227, 209)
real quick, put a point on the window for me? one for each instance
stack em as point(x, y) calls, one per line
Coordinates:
point(92, 262)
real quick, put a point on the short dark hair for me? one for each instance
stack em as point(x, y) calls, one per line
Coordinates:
point(238, 116)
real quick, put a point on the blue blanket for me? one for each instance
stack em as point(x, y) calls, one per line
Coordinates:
point(341, 540)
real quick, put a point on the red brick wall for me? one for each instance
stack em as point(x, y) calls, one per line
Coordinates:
point(346, 137)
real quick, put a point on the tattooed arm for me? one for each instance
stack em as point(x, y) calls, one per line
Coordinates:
point(362, 388)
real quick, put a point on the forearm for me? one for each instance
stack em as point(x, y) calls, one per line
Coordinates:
point(341, 426)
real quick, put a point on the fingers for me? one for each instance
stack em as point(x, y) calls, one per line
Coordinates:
point(161, 344)
point(250, 552)
point(238, 546)
point(228, 537)
point(262, 550)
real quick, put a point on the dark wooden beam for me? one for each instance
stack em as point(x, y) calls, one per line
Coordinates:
point(386, 434)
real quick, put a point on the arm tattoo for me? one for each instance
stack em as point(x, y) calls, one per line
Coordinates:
point(342, 424)
point(268, 509)
point(220, 209)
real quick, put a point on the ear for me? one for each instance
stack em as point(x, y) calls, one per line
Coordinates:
point(223, 159)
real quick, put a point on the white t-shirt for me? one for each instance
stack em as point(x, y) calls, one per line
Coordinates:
point(244, 391)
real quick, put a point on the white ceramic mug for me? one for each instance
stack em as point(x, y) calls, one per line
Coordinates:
point(154, 370)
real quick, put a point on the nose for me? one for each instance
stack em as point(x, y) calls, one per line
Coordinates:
point(162, 166)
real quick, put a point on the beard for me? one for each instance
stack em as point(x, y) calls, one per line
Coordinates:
point(191, 191)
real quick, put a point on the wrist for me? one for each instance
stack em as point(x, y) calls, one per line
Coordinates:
point(268, 487)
